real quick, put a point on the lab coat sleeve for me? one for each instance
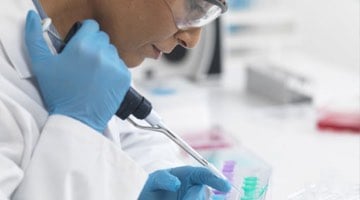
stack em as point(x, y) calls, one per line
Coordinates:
point(11, 150)
point(65, 160)
point(152, 150)
point(72, 161)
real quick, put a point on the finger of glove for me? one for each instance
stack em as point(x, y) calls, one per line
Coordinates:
point(196, 192)
point(34, 39)
point(163, 180)
point(102, 38)
point(88, 27)
point(114, 55)
point(100, 42)
point(204, 176)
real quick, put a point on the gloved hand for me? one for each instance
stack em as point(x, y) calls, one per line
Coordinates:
point(86, 81)
point(181, 183)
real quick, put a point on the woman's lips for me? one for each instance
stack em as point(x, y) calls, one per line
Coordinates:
point(157, 52)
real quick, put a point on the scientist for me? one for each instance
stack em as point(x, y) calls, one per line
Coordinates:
point(59, 138)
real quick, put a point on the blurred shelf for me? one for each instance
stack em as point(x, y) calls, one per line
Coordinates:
point(260, 28)
point(259, 16)
point(248, 41)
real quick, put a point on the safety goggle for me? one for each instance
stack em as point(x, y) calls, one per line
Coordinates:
point(196, 13)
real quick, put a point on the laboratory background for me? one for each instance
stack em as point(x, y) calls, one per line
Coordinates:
point(271, 96)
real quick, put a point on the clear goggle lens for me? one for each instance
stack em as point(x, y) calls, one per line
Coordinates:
point(196, 13)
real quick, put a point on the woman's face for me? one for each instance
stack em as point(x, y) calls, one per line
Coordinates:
point(143, 28)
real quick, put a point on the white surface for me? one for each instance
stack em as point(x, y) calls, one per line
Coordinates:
point(285, 137)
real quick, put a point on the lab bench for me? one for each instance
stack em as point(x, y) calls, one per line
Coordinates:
point(285, 136)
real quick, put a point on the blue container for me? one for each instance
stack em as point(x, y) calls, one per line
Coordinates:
point(239, 4)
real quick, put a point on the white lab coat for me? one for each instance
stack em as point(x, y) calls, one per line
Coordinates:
point(57, 157)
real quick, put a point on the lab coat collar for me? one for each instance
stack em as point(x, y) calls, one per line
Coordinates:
point(12, 30)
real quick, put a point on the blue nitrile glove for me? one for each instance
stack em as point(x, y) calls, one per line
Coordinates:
point(181, 183)
point(86, 81)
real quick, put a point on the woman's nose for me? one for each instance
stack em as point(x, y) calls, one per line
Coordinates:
point(188, 38)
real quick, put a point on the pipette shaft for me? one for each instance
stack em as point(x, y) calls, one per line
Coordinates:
point(154, 120)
